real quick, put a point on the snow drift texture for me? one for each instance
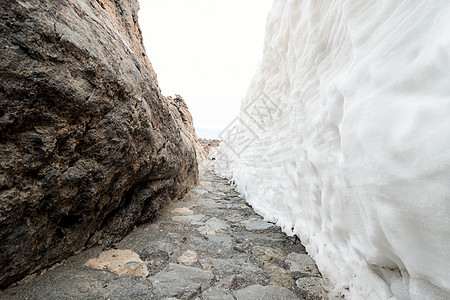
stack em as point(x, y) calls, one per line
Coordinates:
point(344, 140)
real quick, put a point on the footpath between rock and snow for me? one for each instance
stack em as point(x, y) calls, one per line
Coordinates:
point(209, 245)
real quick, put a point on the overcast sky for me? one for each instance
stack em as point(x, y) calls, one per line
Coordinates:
point(206, 51)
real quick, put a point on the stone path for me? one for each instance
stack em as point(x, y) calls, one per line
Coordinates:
point(209, 245)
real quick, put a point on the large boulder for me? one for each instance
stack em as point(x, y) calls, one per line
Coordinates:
point(88, 145)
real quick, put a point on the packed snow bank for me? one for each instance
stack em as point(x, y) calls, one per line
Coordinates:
point(344, 140)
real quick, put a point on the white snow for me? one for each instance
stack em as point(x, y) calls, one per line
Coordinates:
point(344, 139)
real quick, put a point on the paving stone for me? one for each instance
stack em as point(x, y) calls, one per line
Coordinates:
point(241, 256)
point(231, 266)
point(243, 271)
point(259, 292)
point(301, 265)
point(278, 275)
point(268, 254)
point(257, 224)
point(217, 293)
point(313, 286)
point(212, 244)
point(234, 205)
point(188, 219)
point(241, 247)
point(229, 282)
point(199, 191)
point(156, 257)
point(182, 211)
point(181, 281)
point(217, 224)
point(208, 230)
point(259, 238)
point(120, 262)
point(188, 258)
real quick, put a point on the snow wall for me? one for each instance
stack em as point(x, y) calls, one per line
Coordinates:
point(344, 139)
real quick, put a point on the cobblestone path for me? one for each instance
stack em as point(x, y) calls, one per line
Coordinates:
point(209, 245)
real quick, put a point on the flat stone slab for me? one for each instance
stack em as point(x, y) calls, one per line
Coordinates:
point(257, 224)
point(239, 265)
point(199, 191)
point(181, 281)
point(217, 224)
point(120, 262)
point(214, 243)
point(268, 254)
point(188, 258)
point(270, 259)
point(313, 286)
point(182, 211)
point(301, 265)
point(206, 230)
point(217, 293)
point(235, 205)
point(270, 292)
point(188, 219)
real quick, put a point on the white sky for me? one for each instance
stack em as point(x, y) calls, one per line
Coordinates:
point(207, 51)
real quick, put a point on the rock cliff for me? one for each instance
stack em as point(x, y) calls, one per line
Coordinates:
point(88, 145)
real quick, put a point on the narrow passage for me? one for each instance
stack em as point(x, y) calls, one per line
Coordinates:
point(209, 245)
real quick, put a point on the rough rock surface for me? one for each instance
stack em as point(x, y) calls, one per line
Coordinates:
point(181, 111)
point(233, 262)
point(207, 144)
point(88, 145)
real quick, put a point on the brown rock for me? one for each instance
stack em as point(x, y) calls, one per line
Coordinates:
point(88, 145)
point(180, 109)
point(207, 144)
point(278, 276)
point(267, 258)
point(120, 262)
point(182, 211)
point(188, 258)
point(313, 286)
point(268, 254)
point(229, 282)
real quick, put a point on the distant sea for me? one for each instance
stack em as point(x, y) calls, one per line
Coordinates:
point(208, 133)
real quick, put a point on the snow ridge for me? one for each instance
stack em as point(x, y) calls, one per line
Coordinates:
point(344, 138)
